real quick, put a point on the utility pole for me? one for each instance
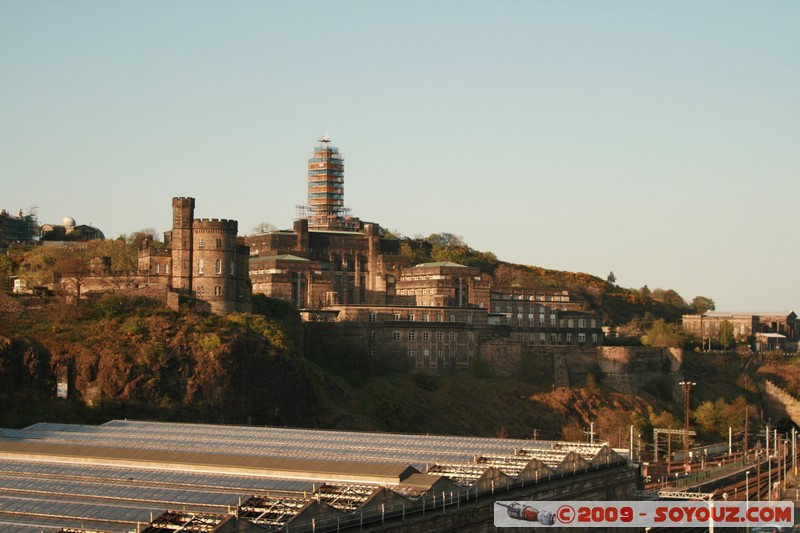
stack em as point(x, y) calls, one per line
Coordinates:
point(687, 389)
point(746, 412)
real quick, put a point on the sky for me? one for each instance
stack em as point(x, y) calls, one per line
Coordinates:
point(657, 140)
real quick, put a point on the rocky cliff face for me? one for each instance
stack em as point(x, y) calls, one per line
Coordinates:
point(167, 364)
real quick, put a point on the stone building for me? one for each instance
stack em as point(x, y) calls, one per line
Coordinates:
point(70, 230)
point(313, 268)
point(353, 286)
point(204, 261)
point(780, 327)
point(443, 284)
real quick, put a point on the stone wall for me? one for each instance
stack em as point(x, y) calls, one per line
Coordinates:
point(626, 369)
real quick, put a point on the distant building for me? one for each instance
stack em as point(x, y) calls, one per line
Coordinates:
point(18, 229)
point(771, 330)
point(70, 230)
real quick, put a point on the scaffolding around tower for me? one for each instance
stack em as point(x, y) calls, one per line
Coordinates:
point(325, 209)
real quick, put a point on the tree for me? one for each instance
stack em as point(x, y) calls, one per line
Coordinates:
point(75, 264)
point(669, 297)
point(644, 294)
point(446, 239)
point(263, 227)
point(726, 338)
point(136, 238)
point(6, 271)
point(663, 334)
point(612, 278)
point(701, 304)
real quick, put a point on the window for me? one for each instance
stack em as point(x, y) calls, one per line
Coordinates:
point(426, 353)
point(470, 335)
point(426, 336)
point(519, 337)
point(541, 338)
point(569, 337)
point(410, 317)
point(218, 266)
point(470, 354)
point(158, 268)
point(552, 338)
point(424, 317)
point(396, 317)
point(439, 353)
point(594, 338)
point(582, 338)
point(241, 292)
point(532, 337)
point(372, 317)
point(233, 270)
point(452, 318)
point(373, 335)
point(395, 335)
point(412, 352)
point(439, 336)
point(202, 244)
point(439, 317)
point(219, 243)
point(217, 291)
point(412, 335)
point(451, 336)
point(201, 290)
point(469, 319)
point(201, 266)
point(581, 322)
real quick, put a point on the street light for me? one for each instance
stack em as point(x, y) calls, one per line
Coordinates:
point(747, 493)
point(687, 388)
point(747, 487)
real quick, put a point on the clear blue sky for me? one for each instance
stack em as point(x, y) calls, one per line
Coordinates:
point(657, 140)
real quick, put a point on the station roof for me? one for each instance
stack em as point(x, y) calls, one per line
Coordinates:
point(122, 474)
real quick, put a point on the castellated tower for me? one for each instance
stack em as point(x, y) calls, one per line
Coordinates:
point(181, 243)
point(207, 261)
point(217, 272)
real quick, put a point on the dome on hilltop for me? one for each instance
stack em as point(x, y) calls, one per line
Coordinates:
point(68, 222)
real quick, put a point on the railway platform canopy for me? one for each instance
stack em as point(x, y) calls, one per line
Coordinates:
point(153, 477)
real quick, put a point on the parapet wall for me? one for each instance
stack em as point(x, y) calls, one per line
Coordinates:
point(216, 225)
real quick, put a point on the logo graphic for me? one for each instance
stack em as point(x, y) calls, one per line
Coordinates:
point(529, 514)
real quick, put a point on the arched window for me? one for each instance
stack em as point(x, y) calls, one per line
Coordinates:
point(200, 266)
point(219, 266)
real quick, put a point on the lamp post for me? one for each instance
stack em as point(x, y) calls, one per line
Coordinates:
point(687, 389)
point(747, 487)
point(747, 493)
